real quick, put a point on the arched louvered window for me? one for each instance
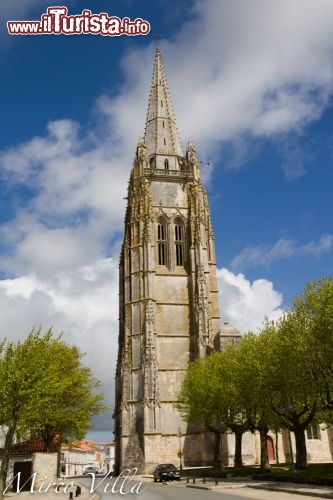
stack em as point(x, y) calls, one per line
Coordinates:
point(161, 243)
point(166, 164)
point(179, 243)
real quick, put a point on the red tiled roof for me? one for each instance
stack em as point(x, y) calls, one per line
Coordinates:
point(85, 445)
point(27, 447)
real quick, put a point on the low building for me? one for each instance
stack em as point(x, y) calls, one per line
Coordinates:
point(110, 457)
point(281, 446)
point(75, 457)
point(31, 466)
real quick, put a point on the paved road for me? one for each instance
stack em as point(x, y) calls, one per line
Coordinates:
point(145, 489)
point(148, 490)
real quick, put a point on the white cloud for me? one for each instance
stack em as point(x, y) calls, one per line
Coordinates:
point(245, 305)
point(257, 67)
point(284, 248)
point(237, 68)
point(71, 174)
point(78, 203)
point(83, 303)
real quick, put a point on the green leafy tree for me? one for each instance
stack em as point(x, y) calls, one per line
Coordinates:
point(313, 312)
point(290, 382)
point(209, 396)
point(281, 378)
point(66, 415)
point(250, 378)
point(304, 349)
point(235, 410)
point(45, 391)
point(200, 399)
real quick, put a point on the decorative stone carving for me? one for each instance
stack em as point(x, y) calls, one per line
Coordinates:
point(150, 312)
point(192, 155)
point(199, 213)
point(203, 315)
point(140, 207)
point(161, 172)
point(150, 364)
point(142, 155)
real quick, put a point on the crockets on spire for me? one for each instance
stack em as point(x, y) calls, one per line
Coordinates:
point(161, 134)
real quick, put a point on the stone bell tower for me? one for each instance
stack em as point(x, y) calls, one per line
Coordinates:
point(168, 298)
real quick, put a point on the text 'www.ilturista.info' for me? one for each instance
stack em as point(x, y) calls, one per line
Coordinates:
point(57, 22)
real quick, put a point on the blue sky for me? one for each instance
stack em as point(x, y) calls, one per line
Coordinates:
point(251, 84)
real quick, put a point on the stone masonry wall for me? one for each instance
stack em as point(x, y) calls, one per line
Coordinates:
point(45, 466)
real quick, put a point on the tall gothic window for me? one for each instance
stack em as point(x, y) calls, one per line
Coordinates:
point(161, 243)
point(166, 164)
point(179, 243)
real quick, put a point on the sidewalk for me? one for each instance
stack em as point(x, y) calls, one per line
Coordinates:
point(293, 488)
point(297, 489)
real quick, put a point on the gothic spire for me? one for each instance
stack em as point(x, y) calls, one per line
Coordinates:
point(161, 134)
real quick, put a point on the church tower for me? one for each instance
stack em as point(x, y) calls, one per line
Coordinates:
point(168, 300)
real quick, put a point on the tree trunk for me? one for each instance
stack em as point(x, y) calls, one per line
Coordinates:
point(301, 455)
point(277, 446)
point(58, 464)
point(290, 447)
point(50, 439)
point(217, 449)
point(238, 448)
point(264, 462)
point(6, 458)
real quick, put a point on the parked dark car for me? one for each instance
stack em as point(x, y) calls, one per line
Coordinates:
point(166, 472)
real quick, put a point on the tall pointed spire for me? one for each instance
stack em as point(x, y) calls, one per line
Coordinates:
point(168, 300)
point(161, 134)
